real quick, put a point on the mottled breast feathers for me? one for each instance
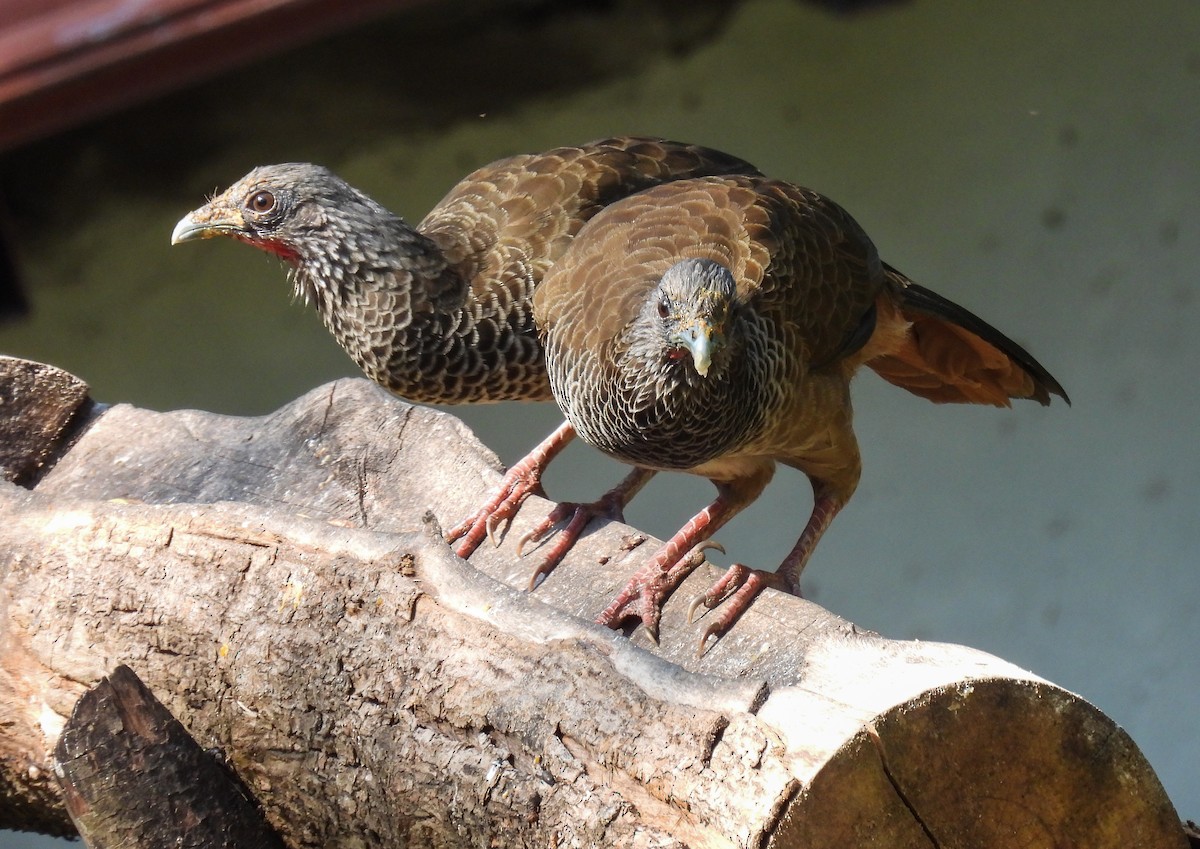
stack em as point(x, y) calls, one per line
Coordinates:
point(805, 276)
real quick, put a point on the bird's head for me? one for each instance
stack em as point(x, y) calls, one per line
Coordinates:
point(692, 305)
point(291, 210)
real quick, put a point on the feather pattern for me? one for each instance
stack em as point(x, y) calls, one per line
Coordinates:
point(441, 312)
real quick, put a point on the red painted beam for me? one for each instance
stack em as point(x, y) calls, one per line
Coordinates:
point(63, 63)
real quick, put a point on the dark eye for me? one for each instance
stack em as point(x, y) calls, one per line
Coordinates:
point(664, 308)
point(261, 202)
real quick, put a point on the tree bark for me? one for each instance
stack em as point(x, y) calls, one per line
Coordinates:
point(281, 584)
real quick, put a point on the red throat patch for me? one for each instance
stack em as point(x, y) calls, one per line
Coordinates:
point(285, 252)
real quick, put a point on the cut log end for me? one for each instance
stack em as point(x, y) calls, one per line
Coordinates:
point(993, 762)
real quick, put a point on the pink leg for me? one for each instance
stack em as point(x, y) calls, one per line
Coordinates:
point(643, 596)
point(739, 586)
point(611, 506)
point(521, 480)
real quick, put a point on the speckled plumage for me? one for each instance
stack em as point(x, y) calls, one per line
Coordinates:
point(441, 312)
point(794, 298)
point(609, 370)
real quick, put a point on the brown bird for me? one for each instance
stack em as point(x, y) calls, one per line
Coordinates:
point(441, 312)
point(712, 326)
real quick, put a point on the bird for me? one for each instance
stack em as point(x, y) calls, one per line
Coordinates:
point(713, 326)
point(441, 312)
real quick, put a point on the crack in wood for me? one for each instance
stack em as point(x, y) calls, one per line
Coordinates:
point(877, 742)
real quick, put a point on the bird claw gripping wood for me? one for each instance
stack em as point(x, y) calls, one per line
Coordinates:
point(610, 506)
point(643, 596)
point(499, 509)
point(740, 585)
point(737, 588)
point(521, 481)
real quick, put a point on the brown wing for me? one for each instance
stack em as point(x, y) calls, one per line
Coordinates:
point(949, 355)
point(601, 283)
point(508, 221)
point(799, 259)
point(824, 274)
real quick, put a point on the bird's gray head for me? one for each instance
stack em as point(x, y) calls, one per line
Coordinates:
point(690, 309)
point(295, 210)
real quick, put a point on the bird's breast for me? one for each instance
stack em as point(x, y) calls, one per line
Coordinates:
point(659, 415)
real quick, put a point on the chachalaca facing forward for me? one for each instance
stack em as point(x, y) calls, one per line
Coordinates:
point(712, 326)
point(441, 312)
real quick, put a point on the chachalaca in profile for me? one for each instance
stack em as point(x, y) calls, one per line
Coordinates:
point(441, 312)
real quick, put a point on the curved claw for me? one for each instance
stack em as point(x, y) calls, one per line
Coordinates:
point(643, 596)
point(736, 590)
point(713, 630)
point(554, 555)
point(708, 545)
point(521, 481)
point(493, 522)
point(610, 506)
point(734, 577)
point(543, 528)
point(498, 511)
point(641, 600)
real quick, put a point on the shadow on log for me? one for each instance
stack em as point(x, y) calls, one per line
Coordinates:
point(281, 583)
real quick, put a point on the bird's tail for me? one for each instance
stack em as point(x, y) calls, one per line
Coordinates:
point(949, 355)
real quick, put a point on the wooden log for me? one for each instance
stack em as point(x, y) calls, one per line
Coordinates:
point(38, 404)
point(281, 583)
point(132, 776)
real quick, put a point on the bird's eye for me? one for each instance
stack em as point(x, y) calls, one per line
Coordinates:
point(664, 308)
point(261, 202)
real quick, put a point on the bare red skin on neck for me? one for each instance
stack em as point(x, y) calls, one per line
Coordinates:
point(285, 252)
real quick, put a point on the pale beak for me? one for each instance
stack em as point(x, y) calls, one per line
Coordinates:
point(206, 222)
point(701, 340)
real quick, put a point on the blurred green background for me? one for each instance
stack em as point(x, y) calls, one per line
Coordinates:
point(1036, 162)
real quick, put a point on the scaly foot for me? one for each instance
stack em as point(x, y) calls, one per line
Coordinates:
point(735, 590)
point(643, 596)
point(609, 506)
point(740, 585)
point(521, 481)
